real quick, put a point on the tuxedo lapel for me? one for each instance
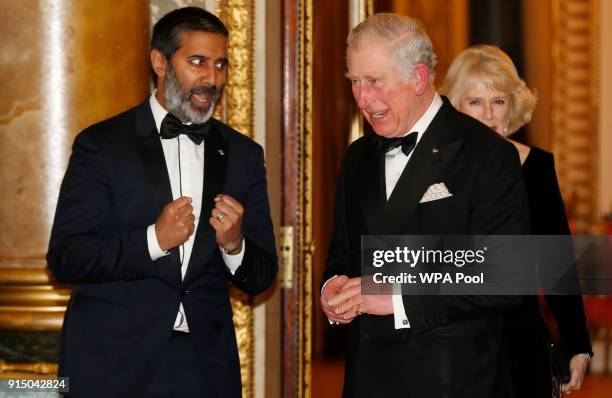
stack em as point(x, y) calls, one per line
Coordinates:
point(434, 154)
point(372, 186)
point(154, 162)
point(215, 168)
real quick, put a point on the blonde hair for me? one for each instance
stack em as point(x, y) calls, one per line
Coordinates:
point(409, 44)
point(494, 68)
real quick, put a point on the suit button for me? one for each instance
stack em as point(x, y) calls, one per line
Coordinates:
point(184, 292)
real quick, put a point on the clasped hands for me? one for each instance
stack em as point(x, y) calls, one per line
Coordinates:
point(176, 223)
point(342, 300)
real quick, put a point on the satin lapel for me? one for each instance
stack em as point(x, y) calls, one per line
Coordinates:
point(372, 186)
point(215, 168)
point(154, 162)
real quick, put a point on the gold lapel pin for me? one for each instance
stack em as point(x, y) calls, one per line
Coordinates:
point(435, 150)
point(220, 152)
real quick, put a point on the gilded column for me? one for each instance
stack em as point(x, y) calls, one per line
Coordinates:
point(237, 110)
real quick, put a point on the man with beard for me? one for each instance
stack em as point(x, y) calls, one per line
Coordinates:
point(160, 207)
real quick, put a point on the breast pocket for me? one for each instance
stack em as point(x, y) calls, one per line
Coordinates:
point(435, 215)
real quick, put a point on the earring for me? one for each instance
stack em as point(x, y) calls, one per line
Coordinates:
point(506, 129)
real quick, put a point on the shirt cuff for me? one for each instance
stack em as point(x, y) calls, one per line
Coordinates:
point(323, 288)
point(154, 250)
point(233, 261)
point(399, 312)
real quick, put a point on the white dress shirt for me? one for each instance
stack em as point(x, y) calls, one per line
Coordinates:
point(395, 162)
point(185, 180)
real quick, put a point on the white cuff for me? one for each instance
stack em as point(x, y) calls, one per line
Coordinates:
point(323, 288)
point(233, 261)
point(399, 312)
point(154, 250)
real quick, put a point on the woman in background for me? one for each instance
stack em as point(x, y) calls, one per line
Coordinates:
point(483, 83)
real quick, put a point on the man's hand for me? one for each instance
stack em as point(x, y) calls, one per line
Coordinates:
point(175, 224)
point(351, 301)
point(226, 219)
point(330, 291)
point(578, 367)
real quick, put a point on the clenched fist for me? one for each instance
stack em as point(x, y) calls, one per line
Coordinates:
point(175, 224)
point(226, 219)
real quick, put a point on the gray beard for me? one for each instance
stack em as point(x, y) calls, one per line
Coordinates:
point(177, 100)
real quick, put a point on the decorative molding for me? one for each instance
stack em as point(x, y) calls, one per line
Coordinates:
point(574, 114)
point(297, 194)
point(306, 243)
point(10, 370)
point(238, 111)
point(29, 300)
point(238, 99)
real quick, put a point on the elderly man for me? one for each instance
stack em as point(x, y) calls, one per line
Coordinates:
point(417, 346)
point(161, 207)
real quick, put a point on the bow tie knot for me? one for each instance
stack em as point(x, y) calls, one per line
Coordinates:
point(171, 127)
point(407, 143)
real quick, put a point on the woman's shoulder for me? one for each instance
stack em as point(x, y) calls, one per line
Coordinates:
point(540, 157)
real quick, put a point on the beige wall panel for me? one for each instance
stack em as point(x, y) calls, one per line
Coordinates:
point(64, 65)
point(23, 225)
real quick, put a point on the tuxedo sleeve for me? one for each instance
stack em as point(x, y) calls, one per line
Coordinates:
point(499, 207)
point(260, 263)
point(83, 247)
point(339, 255)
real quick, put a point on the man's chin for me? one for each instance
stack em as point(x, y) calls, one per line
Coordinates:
point(199, 116)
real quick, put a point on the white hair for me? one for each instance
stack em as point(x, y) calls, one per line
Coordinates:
point(408, 43)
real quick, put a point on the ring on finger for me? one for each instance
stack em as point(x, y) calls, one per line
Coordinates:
point(358, 309)
point(220, 216)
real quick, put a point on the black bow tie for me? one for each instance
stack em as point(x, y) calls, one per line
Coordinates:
point(171, 127)
point(407, 143)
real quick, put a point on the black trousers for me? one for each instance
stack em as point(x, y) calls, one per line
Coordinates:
point(178, 375)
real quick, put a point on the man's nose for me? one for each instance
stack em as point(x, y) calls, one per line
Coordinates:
point(362, 96)
point(208, 75)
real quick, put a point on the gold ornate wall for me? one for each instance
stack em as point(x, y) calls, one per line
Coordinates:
point(237, 111)
point(574, 101)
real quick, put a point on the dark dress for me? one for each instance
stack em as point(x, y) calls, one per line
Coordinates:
point(528, 337)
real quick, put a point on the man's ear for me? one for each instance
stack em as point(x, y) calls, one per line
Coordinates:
point(159, 63)
point(421, 78)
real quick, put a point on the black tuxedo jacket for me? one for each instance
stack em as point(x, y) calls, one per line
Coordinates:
point(455, 346)
point(123, 306)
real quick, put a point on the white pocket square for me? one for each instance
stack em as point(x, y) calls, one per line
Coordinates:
point(435, 192)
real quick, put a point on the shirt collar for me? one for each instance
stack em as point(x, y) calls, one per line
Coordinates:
point(421, 125)
point(424, 121)
point(159, 112)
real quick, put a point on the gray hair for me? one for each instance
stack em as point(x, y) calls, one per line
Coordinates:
point(408, 43)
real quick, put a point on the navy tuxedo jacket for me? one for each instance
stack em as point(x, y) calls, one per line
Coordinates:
point(455, 346)
point(123, 306)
